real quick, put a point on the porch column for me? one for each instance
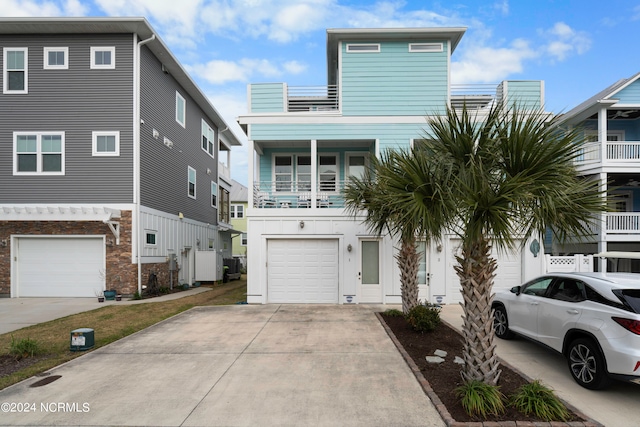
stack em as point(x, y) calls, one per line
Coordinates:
point(602, 135)
point(314, 172)
point(250, 185)
point(602, 235)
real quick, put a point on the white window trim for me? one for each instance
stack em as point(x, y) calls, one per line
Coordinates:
point(38, 172)
point(233, 211)
point(95, 66)
point(426, 47)
point(182, 121)
point(48, 66)
point(244, 239)
point(155, 234)
point(195, 180)
point(5, 78)
point(351, 46)
point(273, 172)
point(94, 143)
point(338, 170)
point(212, 141)
point(214, 192)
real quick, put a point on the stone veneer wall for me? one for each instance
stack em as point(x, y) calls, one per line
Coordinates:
point(121, 273)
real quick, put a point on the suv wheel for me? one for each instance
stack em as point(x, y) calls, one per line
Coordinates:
point(501, 323)
point(587, 365)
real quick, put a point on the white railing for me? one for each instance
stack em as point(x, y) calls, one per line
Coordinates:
point(616, 152)
point(623, 223)
point(568, 264)
point(312, 98)
point(291, 194)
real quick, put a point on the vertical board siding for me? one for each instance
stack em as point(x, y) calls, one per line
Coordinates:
point(394, 81)
point(630, 94)
point(163, 181)
point(77, 101)
point(267, 97)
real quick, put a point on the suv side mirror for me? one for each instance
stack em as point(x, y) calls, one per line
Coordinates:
point(515, 290)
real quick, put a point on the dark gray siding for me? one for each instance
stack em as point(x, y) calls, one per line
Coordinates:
point(163, 183)
point(77, 101)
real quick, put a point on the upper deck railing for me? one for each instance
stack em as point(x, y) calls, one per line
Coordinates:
point(312, 98)
point(616, 153)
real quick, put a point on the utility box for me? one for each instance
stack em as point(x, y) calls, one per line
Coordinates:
point(81, 339)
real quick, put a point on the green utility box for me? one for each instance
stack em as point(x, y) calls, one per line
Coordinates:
point(82, 339)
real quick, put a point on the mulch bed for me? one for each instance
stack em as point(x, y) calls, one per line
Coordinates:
point(443, 378)
point(9, 364)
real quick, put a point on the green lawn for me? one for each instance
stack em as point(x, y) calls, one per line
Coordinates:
point(110, 323)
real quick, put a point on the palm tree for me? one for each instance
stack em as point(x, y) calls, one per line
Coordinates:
point(510, 174)
point(386, 194)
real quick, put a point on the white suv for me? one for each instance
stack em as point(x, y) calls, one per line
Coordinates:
point(593, 319)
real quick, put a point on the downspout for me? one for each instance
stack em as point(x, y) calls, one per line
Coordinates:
point(137, 155)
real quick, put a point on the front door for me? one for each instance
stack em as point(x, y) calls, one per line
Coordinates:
point(370, 287)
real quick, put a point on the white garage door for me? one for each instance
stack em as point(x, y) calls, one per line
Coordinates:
point(508, 273)
point(302, 271)
point(59, 267)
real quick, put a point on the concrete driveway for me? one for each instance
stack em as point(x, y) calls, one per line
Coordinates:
point(245, 365)
point(616, 406)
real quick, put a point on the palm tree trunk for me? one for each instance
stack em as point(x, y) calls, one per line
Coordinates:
point(408, 260)
point(476, 270)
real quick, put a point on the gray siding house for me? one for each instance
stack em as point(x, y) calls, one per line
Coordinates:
point(113, 163)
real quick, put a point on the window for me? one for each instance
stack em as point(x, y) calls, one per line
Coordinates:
point(15, 70)
point(192, 182)
point(150, 238)
point(224, 204)
point(237, 211)
point(243, 242)
point(38, 153)
point(423, 275)
point(208, 138)
point(283, 173)
point(55, 58)
point(103, 58)
point(327, 172)
point(363, 48)
point(303, 173)
point(106, 143)
point(538, 287)
point(426, 47)
point(180, 110)
point(214, 194)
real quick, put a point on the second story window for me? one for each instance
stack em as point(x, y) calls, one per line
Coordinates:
point(283, 173)
point(192, 182)
point(327, 172)
point(208, 138)
point(106, 143)
point(15, 70)
point(237, 211)
point(103, 57)
point(38, 153)
point(55, 58)
point(214, 194)
point(181, 110)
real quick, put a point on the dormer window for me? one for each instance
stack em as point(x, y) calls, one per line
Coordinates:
point(363, 48)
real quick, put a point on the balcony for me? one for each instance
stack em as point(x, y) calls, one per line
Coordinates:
point(312, 98)
point(292, 195)
point(616, 153)
point(623, 223)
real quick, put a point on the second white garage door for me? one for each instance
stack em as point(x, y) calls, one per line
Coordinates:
point(302, 271)
point(59, 267)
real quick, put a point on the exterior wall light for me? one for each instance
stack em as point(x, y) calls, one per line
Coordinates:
point(301, 224)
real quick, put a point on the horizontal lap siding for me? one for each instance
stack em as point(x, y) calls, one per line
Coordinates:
point(630, 94)
point(267, 97)
point(527, 94)
point(77, 101)
point(394, 81)
point(163, 181)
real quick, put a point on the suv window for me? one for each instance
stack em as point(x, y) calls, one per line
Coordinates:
point(538, 287)
point(631, 298)
point(565, 289)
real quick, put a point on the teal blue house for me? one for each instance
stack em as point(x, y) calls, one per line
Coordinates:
point(610, 126)
point(305, 143)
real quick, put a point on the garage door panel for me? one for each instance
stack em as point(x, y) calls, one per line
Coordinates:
point(59, 267)
point(302, 271)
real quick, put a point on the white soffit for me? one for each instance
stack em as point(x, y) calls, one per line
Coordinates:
point(58, 213)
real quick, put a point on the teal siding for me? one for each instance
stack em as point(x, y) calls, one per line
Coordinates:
point(526, 94)
point(630, 94)
point(267, 97)
point(394, 81)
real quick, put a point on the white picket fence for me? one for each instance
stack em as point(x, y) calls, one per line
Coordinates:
point(568, 264)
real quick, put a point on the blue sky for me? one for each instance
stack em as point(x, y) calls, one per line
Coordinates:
point(578, 47)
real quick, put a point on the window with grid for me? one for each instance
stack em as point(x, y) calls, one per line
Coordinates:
point(38, 153)
point(15, 70)
point(283, 173)
point(208, 139)
point(106, 143)
point(192, 182)
point(181, 110)
point(55, 58)
point(103, 57)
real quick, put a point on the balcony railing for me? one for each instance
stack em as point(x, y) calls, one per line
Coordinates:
point(312, 98)
point(616, 152)
point(623, 223)
point(287, 194)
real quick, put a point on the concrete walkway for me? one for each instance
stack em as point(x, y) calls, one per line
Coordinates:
point(245, 365)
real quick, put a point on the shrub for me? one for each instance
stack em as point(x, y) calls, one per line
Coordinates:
point(424, 317)
point(537, 399)
point(480, 399)
point(136, 295)
point(25, 347)
point(392, 312)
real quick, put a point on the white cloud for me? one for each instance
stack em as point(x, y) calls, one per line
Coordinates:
point(564, 41)
point(220, 72)
point(294, 67)
point(34, 8)
point(484, 64)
